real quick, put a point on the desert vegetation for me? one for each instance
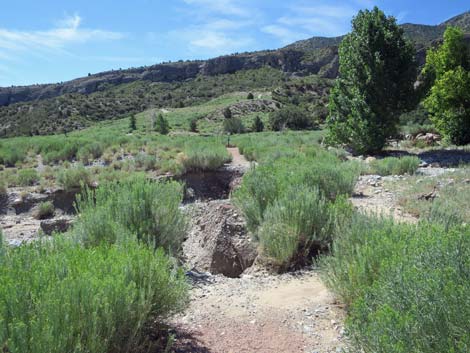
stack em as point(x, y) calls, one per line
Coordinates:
point(289, 152)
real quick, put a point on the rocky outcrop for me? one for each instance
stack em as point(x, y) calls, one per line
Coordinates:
point(57, 225)
point(285, 60)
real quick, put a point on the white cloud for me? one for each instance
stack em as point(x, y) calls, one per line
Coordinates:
point(67, 31)
point(285, 35)
point(225, 7)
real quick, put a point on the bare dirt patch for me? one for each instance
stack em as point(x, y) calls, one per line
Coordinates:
point(263, 313)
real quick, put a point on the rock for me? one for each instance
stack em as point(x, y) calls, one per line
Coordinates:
point(59, 225)
point(370, 159)
point(218, 241)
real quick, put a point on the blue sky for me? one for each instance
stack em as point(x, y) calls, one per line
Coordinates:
point(52, 41)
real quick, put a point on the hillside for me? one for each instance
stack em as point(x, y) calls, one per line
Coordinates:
point(49, 108)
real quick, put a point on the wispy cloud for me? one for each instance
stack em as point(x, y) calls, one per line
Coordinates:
point(285, 35)
point(305, 19)
point(217, 27)
point(67, 31)
point(225, 7)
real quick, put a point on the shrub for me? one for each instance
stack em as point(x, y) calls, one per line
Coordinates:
point(193, 125)
point(263, 185)
point(3, 188)
point(146, 209)
point(395, 166)
point(408, 280)
point(298, 224)
point(292, 117)
point(83, 300)
point(132, 123)
point(74, 178)
point(227, 113)
point(233, 126)
point(27, 177)
point(161, 125)
point(250, 96)
point(90, 152)
point(203, 157)
point(10, 155)
point(44, 210)
point(258, 125)
point(145, 162)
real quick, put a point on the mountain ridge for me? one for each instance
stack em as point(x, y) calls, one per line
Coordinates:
point(96, 93)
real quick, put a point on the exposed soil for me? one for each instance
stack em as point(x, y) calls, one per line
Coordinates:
point(261, 313)
point(254, 311)
point(372, 197)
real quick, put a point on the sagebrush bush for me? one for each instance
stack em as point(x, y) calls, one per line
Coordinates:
point(44, 210)
point(74, 177)
point(147, 209)
point(395, 166)
point(204, 156)
point(263, 185)
point(406, 285)
point(299, 224)
point(27, 177)
point(58, 296)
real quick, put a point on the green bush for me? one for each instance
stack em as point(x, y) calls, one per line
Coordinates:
point(10, 155)
point(233, 126)
point(204, 156)
point(299, 224)
point(90, 151)
point(27, 177)
point(293, 204)
point(145, 162)
point(291, 117)
point(263, 185)
point(147, 209)
point(44, 210)
point(395, 166)
point(407, 286)
point(57, 296)
point(74, 178)
point(258, 125)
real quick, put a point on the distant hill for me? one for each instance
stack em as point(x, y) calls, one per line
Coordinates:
point(118, 93)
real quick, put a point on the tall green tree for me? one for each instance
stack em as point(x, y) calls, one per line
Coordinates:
point(448, 102)
point(132, 123)
point(161, 125)
point(375, 84)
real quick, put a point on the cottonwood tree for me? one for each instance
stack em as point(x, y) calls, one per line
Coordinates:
point(375, 84)
point(448, 103)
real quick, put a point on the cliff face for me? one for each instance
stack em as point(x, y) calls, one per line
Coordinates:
point(286, 60)
point(316, 55)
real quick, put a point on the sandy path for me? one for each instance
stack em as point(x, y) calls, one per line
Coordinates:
point(237, 158)
point(262, 313)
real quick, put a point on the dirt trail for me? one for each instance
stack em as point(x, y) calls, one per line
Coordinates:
point(262, 313)
point(258, 312)
point(237, 158)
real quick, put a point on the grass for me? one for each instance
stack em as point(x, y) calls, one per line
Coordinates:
point(44, 210)
point(204, 156)
point(146, 209)
point(74, 177)
point(27, 177)
point(451, 202)
point(58, 296)
point(406, 286)
point(394, 166)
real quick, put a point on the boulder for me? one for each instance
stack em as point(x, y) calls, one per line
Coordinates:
point(57, 225)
